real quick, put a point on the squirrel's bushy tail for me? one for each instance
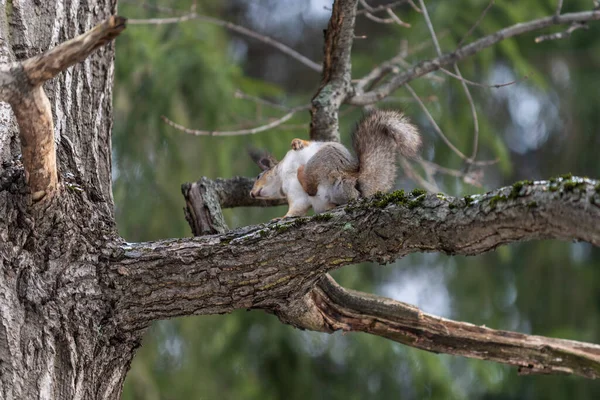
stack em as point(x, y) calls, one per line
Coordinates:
point(377, 139)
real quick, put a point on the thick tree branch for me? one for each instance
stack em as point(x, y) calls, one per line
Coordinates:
point(329, 308)
point(20, 85)
point(336, 83)
point(273, 266)
point(428, 66)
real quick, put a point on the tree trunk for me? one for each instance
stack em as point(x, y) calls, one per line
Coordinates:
point(54, 310)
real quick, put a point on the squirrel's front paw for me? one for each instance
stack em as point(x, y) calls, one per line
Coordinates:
point(299, 144)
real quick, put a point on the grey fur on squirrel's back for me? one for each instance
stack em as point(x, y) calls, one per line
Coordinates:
point(377, 139)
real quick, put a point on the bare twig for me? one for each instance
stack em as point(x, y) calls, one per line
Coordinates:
point(434, 38)
point(382, 7)
point(434, 124)
point(414, 6)
point(162, 21)
point(472, 178)
point(252, 131)
point(426, 67)
point(235, 28)
point(409, 171)
point(406, 99)
point(391, 66)
point(562, 35)
point(458, 73)
point(491, 3)
point(482, 85)
point(397, 19)
point(378, 73)
point(473, 114)
point(241, 95)
point(393, 17)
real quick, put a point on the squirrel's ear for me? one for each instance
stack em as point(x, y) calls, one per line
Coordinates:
point(262, 158)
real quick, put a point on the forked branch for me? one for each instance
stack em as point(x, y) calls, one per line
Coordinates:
point(428, 66)
point(276, 266)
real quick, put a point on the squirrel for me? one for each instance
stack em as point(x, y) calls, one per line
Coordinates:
point(324, 175)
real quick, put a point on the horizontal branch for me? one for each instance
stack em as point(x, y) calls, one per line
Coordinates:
point(428, 66)
point(330, 308)
point(270, 266)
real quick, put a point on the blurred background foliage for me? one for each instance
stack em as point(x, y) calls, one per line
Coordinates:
point(542, 126)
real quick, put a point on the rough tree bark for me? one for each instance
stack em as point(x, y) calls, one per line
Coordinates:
point(56, 340)
point(336, 83)
point(75, 299)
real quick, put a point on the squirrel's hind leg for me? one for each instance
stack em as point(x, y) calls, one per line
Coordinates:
point(308, 180)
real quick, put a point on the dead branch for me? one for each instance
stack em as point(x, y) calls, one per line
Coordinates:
point(330, 308)
point(241, 95)
point(205, 198)
point(20, 86)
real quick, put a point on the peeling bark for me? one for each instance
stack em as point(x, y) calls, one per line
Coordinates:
point(330, 308)
point(32, 110)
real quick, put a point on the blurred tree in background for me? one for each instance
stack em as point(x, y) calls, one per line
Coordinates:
point(542, 126)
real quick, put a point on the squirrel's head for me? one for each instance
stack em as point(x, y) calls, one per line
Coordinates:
point(268, 182)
